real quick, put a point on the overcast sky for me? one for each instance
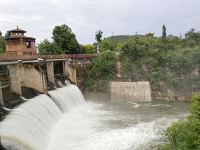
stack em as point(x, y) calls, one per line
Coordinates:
point(85, 17)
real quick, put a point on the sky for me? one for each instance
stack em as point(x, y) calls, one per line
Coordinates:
point(113, 17)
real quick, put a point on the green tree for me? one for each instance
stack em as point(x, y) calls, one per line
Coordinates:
point(102, 70)
point(46, 47)
point(65, 39)
point(2, 43)
point(192, 38)
point(135, 50)
point(107, 45)
point(98, 37)
point(150, 35)
point(88, 49)
point(164, 33)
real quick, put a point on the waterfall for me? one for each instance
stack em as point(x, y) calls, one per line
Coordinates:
point(67, 97)
point(29, 126)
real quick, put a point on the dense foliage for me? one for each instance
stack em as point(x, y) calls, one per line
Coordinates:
point(88, 49)
point(46, 47)
point(98, 36)
point(2, 43)
point(102, 71)
point(64, 41)
point(172, 63)
point(185, 135)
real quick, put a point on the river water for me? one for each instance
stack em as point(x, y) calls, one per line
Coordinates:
point(67, 122)
point(116, 126)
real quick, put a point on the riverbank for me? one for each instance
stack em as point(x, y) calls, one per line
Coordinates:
point(185, 133)
point(173, 73)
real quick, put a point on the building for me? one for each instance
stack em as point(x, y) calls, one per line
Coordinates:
point(19, 44)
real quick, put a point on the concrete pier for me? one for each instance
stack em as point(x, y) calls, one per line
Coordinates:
point(15, 78)
point(50, 72)
point(130, 91)
point(69, 72)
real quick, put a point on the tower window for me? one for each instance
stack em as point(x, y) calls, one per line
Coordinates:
point(28, 44)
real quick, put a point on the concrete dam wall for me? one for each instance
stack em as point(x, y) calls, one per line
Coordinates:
point(130, 91)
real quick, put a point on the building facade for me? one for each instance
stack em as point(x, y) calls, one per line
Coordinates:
point(19, 44)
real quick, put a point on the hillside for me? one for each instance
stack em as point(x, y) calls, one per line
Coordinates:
point(171, 64)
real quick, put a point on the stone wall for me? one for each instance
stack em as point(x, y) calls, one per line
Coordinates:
point(130, 91)
point(184, 94)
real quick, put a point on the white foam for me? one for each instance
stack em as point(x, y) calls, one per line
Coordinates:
point(68, 97)
point(30, 123)
point(83, 129)
point(45, 124)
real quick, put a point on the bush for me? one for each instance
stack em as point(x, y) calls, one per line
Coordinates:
point(102, 71)
point(185, 135)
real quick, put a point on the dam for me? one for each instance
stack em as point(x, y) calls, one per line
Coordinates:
point(64, 120)
point(59, 117)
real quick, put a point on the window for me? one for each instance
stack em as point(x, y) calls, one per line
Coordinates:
point(28, 44)
point(32, 43)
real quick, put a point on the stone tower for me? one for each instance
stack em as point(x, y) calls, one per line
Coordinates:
point(19, 44)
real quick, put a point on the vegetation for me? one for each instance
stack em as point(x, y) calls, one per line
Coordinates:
point(169, 64)
point(185, 135)
point(46, 47)
point(164, 33)
point(2, 43)
point(88, 49)
point(102, 71)
point(64, 41)
point(98, 37)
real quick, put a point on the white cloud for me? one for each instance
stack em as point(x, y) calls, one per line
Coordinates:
point(85, 17)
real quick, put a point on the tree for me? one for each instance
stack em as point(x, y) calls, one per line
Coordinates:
point(88, 49)
point(135, 50)
point(98, 37)
point(164, 33)
point(65, 40)
point(46, 47)
point(192, 37)
point(2, 43)
point(150, 35)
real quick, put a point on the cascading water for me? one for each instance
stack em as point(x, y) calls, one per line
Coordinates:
point(67, 97)
point(29, 125)
point(59, 122)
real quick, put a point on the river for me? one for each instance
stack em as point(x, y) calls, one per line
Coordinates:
point(116, 126)
point(67, 122)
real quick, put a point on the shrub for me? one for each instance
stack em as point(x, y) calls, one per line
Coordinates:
point(185, 135)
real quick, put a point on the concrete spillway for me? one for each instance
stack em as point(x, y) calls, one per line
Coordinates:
point(29, 126)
